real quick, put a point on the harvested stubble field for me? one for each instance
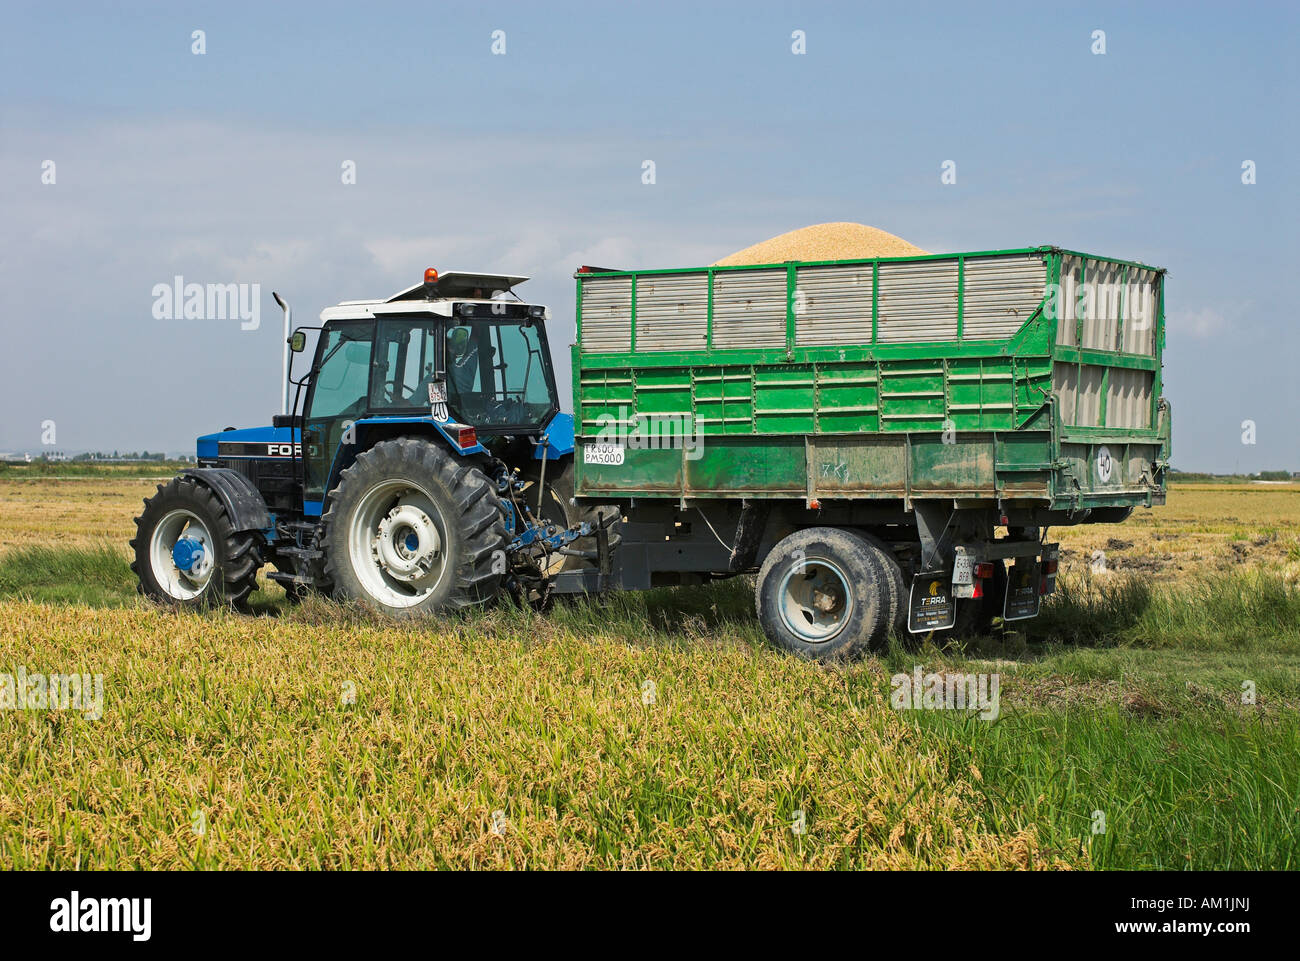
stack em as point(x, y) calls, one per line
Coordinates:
point(318, 736)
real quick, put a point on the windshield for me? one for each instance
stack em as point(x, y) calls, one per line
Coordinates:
point(499, 374)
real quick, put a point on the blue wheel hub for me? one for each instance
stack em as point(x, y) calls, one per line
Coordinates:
point(187, 554)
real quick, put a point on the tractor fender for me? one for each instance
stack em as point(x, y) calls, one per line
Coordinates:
point(559, 438)
point(243, 502)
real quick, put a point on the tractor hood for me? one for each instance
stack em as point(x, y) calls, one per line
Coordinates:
point(248, 442)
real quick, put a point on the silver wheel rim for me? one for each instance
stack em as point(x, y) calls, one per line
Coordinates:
point(814, 600)
point(178, 584)
point(396, 541)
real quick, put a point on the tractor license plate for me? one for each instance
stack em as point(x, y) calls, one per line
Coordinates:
point(1023, 598)
point(609, 454)
point(931, 607)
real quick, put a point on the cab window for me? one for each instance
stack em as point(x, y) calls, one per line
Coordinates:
point(340, 383)
point(404, 365)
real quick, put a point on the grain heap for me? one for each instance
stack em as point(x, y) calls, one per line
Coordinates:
point(837, 241)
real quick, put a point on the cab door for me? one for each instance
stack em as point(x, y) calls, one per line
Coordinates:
point(339, 390)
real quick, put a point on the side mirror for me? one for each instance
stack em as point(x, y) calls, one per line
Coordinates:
point(298, 342)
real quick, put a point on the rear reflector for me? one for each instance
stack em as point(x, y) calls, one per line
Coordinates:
point(1049, 567)
point(466, 437)
point(977, 589)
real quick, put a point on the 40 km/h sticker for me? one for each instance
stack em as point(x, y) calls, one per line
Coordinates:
point(608, 454)
point(1104, 464)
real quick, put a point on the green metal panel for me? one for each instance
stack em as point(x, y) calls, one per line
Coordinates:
point(953, 418)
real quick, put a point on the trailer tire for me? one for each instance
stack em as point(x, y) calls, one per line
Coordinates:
point(898, 600)
point(410, 530)
point(187, 508)
point(823, 594)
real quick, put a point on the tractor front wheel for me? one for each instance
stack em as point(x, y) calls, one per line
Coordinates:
point(411, 530)
point(187, 552)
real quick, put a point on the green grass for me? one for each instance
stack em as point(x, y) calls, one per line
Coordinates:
point(71, 468)
point(1128, 699)
point(1204, 790)
point(1124, 698)
point(95, 576)
point(1251, 609)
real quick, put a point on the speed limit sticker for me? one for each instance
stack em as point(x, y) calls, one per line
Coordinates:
point(1104, 464)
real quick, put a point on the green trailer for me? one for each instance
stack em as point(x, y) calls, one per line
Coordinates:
point(877, 438)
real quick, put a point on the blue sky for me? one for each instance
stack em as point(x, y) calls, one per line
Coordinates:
point(226, 168)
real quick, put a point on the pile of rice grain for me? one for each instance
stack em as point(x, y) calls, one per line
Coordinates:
point(838, 241)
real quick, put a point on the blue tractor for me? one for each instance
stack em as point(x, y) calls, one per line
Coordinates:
point(423, 464)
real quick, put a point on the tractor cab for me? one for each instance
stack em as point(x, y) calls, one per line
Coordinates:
point(452, 350)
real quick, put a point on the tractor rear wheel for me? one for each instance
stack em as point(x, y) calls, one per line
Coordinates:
point(412, 530)
point(823, 594)
point(187, 552)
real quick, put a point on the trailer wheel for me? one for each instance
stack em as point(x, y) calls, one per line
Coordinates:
point(823, 594)
point(897, 617)
point(187, 552)
point(410, 530)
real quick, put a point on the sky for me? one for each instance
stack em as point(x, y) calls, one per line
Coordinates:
point(229, 166)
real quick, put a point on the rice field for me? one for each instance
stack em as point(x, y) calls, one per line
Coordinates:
point(655, 730)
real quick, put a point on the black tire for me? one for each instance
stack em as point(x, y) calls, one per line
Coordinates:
point(559, 497)
point(471, 524)
point(858, 595)
point(898, 600)
point(236, 554)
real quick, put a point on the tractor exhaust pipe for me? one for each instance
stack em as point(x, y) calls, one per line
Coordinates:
point(284, 376)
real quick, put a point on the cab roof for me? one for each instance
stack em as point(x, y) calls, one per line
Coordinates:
point(460, 283)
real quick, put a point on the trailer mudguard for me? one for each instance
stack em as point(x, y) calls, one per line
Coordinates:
point(243, 502)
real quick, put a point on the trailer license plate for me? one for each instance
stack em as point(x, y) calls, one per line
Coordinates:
point(609, 454)
point(1022, 591)
point(931, 607)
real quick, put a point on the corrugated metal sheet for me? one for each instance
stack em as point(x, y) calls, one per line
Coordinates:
point(1080, 393)
point(999, 294)
point(1089, 407)
point(606, 314)
point(749, 308)
point(672, 312)
point(1128, 398)
point(1101, 283)
point(1065, 381)
point(1067, 329)
point(832, 305)
point(1140, 305)
point(917, 301)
